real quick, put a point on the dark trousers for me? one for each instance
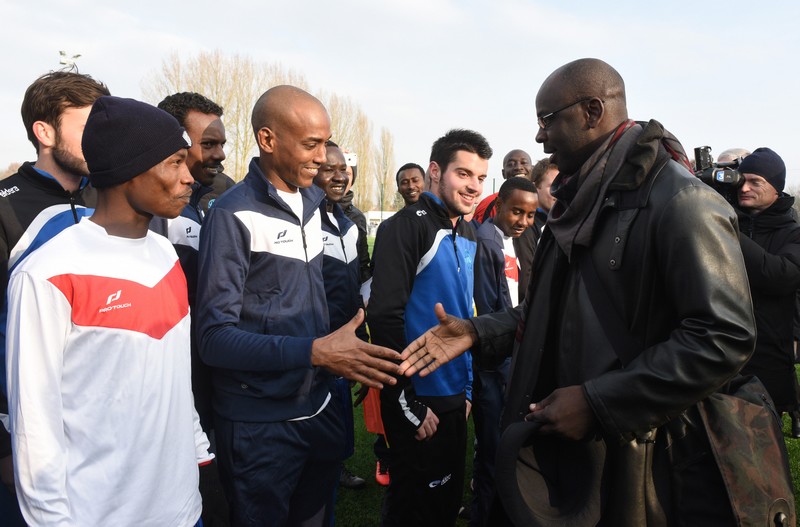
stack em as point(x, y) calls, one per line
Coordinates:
point(282, 473)
point(488, 395)
point(427, 476)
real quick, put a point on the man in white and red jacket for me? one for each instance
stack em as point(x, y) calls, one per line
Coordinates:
point(103, 424)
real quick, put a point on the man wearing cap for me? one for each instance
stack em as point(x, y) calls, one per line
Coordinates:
point(770, 239)
point(638, 309)
point(103, 424)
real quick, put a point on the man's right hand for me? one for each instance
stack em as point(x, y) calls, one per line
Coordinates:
point(428, 426)
point(440, 344)
point(346, 355)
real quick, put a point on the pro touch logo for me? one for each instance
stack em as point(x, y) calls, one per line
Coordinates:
point(439, 482)
point(113, 297)
point(284, 237)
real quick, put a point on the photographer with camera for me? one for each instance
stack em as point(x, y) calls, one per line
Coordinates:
point(770, 240)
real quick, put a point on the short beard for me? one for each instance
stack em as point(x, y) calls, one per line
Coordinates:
point(69, 162)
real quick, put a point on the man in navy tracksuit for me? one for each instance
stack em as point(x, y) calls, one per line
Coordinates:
point(341, 273)
point(201, 117)
point(202, 120)
point(263, 326)
point(425, 256)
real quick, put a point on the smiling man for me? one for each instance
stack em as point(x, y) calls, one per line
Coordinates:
point(425, 255)
point(103, 423)
point(263, 326)
point(497, 282)
point(201, 117)
point(410, 182)
point(516, 163)
point(341, 273)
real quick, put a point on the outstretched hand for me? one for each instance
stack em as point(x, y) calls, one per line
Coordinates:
point(346, 355)
point(440, 344)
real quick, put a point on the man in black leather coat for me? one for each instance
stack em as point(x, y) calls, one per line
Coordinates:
point(634, 239)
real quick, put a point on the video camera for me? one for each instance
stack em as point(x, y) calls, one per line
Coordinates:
point(725, 178)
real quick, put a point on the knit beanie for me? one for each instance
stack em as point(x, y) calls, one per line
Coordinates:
point(767, 164)
point(124, 138)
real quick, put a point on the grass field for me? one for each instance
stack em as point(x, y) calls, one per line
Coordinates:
point(361, 508)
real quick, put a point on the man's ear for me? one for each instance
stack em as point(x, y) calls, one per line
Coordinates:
point(595, 110)
point(45, 134)
point(434, 172)
point(265, 138)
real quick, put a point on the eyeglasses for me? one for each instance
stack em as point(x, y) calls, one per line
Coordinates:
point(547, 119)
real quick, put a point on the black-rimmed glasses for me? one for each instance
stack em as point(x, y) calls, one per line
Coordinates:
point(546, 119)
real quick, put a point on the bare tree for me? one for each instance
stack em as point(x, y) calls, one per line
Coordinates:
point(386, 171)
point(234, 82)
point(10, 169)
point(352, 130)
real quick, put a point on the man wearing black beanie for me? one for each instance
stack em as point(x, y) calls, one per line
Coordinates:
point(770, 239)
point(103, 424)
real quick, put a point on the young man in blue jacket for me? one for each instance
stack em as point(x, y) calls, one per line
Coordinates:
point(425, 255)
point(263, 326)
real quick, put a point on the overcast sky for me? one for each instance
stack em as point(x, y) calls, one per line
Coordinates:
point(722, 74)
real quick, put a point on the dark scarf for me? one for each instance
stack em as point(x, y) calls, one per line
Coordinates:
point(621, 163)
point(579, 196)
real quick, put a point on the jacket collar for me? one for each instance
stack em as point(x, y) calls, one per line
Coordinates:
point(341, 218)
point(312, 196)
point(46, 181)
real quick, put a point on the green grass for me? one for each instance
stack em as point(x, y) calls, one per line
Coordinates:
point(362, 508)
point(793, 446)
